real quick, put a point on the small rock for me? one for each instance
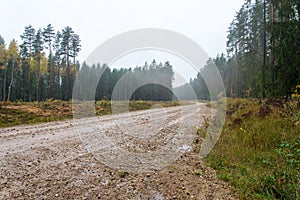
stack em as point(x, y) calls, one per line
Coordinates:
point(297, 124)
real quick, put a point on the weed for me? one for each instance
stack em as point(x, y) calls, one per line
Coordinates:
point(260, 154)
point(123, 174)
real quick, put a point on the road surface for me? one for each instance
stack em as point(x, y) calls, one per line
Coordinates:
point(138, 155)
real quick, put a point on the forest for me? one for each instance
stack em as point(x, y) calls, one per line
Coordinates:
point(44, 66)
point(29, 74)
point(149, 82)
point(262, 60)
point(263, 52)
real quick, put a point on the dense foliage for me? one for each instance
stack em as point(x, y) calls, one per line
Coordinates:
point(263, 51)
point(44, 66)
point(149, 82)
point(40, 67)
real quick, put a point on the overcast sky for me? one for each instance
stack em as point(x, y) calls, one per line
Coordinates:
point(204, 21)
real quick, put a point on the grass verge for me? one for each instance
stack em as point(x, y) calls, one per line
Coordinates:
point(18, 113)
point(259, 149)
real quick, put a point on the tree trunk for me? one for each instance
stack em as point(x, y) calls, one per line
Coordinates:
point(264, 53)
point(4, 85)
point(11, 81)
point(58, 80)
point(74, 61)
point(68, 73)
point(272, 18)
point(38, 81)
point(51, 72)
point(68, 78)
point(74, 69)
point(232, 80)
point(236, 70)
point(29, 81)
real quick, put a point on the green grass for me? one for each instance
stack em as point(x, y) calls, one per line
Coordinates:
point(19, 113)
point(259, 150)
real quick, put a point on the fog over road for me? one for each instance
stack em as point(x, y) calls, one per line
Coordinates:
point(125, 155)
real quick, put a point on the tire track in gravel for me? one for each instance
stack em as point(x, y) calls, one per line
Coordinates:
point(51, 160)
point(22, 138)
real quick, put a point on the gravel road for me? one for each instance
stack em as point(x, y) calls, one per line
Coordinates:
point(138, 155)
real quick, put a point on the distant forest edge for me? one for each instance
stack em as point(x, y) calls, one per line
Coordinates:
point(263, 52)
point(149, 82)
point(262, 60)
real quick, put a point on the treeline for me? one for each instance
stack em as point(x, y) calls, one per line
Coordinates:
point(263, 51)
point(43, 66)
point(262, 60)
point(148, 82)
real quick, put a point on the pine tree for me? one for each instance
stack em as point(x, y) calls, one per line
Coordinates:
point(48, 35)
point(57, 61)
point(67, 33)
point(27, 50)
point(75, 48)
point(38, 48)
